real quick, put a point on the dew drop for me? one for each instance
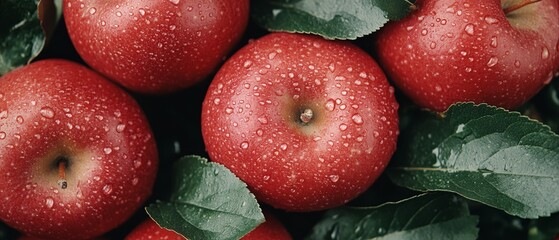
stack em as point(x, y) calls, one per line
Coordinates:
point(492, 61)
point(92, 11)
point(2, 135)
point(229, 110)
point(107, 150)
point(330, 105)
point(343, 127)
point(172, 27)
point(517, 63)
point(247, 64)
point(266, 178)
point(174, 1)
point(135, 181)
point(107, 189)
point(491, 20)
point(272, 55)
point(216, 101)
point(259, 132)
point(376, 134)
point(494, 42)
point(49, 202)
point(424, 32)
point(283, 147)
point(137, 163)
point(118, 14)
point(244, 145)
point(263, 120)
point(357, 119)
point(433, 45)
point(545, 53)
point(47, 112)
point(142, 11)
point(120, 127)
point(334, 178)
point(469, 29)
point(19, 119)
point(468, 69)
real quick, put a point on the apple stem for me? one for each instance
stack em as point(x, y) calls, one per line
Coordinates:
point(306, 115)
point(519, 5)
point(62, 175)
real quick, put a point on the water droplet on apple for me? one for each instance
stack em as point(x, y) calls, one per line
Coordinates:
point(450, 10)
point(424, 32)
point(47, 112)
point(357, 119)
point(491, 20)
point(19, 119)
point(137, 163)
point(2, 135)
point(343, 127)
point(494, 42)
point(433, 45)
point(545, 53)
point(120, 127)
point(247, 64)
point(469, 29)
point(107, 150)
point(49, 202)
point(266, 178)
point(172, 27)
point(216, 101)
point(549, 78)
point(272, 55)
point(244, 145)
point(103, 23)
point(420, 18)
point(438, 88)
point(376, 134)
point(468, 69)
point(334, 178)
point(135, 181)
point(142, 11)
point(79, 194)
point(174, 1)
point(330, 105)
point(492, 61)
point(283, 147)
point(118, 14)
point(263, 120)
point(92, 10)
point(107, 189)
point(517, 63)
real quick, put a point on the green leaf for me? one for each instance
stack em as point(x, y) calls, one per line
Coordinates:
point(544, 228)
point(484, 153)
point(23, 34)
point(332, 19)
point(426, 216)
point(208, 202)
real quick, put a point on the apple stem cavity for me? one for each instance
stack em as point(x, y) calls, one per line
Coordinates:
point(519, 5)
point(62, 174)
point(306, 115)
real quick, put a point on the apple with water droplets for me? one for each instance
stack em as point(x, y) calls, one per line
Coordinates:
point(307, 123)
point(271, 229)
point(155, 47)
point(500, 52)
point(77, 156)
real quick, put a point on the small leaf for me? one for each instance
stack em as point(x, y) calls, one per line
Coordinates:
point(332, 19)
point(427, 216)
point(24, 30)
point(208, 202)
point(484, 153)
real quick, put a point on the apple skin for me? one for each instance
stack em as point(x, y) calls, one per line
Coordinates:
point(457, 51)
point(155, 47)
point(272, 229)
point(55, 109)
point(251, 120)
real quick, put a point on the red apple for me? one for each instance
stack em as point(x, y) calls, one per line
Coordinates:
point(77, 156)
point(155, 46)
point(496, 52)
point(307, 123)
point(272, 229)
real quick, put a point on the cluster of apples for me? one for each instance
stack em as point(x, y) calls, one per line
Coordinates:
point(307, 123)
